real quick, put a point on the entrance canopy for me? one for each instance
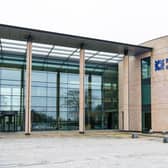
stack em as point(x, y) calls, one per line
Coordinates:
point(65, 47)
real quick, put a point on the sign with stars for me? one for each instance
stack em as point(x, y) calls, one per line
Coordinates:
point(160, 64)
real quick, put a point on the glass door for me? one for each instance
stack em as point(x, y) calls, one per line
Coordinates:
point(8, 123)
point(11, 102)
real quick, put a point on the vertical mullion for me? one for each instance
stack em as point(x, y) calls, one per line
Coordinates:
point(102, 103)
point(58, 99)
point(21, 96)
point(89, 98)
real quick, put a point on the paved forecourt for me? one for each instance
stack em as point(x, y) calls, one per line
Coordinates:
point(82, 151)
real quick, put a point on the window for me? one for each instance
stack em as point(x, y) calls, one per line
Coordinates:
point(146, 93)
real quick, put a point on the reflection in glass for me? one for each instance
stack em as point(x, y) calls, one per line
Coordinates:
point(44, 100)
point(146, 94)
point(102, 100)
point(69, 101)
point(10, 99)
point(55, 93)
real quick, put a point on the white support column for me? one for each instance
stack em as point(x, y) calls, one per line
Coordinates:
point(82, 92)
point(28, 87)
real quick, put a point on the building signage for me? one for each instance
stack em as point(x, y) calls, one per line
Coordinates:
point(161, 64)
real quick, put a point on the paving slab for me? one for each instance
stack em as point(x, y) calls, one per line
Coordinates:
point(83, 152)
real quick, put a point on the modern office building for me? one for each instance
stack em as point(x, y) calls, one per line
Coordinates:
point(53, 81)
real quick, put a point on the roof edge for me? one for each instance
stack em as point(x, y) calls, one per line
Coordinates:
point(157, 38)
point(72, 36)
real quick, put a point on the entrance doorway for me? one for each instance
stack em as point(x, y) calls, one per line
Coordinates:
point(146, 122)
point(8, 121)
point(111, 119)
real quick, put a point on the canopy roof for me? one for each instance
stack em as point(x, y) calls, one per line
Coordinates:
point(65, 46)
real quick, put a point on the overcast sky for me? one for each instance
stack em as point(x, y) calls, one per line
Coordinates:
point(129, 21)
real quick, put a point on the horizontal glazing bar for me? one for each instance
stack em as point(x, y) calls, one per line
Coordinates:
point(14, 44)
point(42, 50)
point(13, 49)
point(13, 41)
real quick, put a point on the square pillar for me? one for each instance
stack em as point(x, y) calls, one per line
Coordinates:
point(82, 92)
point(28, 87)
point(124, 95)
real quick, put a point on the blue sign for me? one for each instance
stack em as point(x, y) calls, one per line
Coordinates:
point(160, 64)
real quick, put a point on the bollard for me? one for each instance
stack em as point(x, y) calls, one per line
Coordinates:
point(134, 135)
point(165, 139)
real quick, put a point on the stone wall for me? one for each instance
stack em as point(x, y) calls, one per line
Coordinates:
point(159, 84)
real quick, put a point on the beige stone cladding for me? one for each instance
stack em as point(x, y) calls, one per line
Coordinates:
point(134, 97)
point(159, 85)
point(123, 94)
point(130, 93)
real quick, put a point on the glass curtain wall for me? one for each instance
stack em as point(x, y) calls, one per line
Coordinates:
point(102, 97)
point(44, 100)
point(146, 94)
point(69, 101)
point(11, 92)
point(110, 98)
point(55, 94)
point(93, 99)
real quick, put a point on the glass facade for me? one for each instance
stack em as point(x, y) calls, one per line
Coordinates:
point(12, 92)
point(102, 100)
point(69, 101)
point(146, 94)
point(44, 98)
point(55, 94)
